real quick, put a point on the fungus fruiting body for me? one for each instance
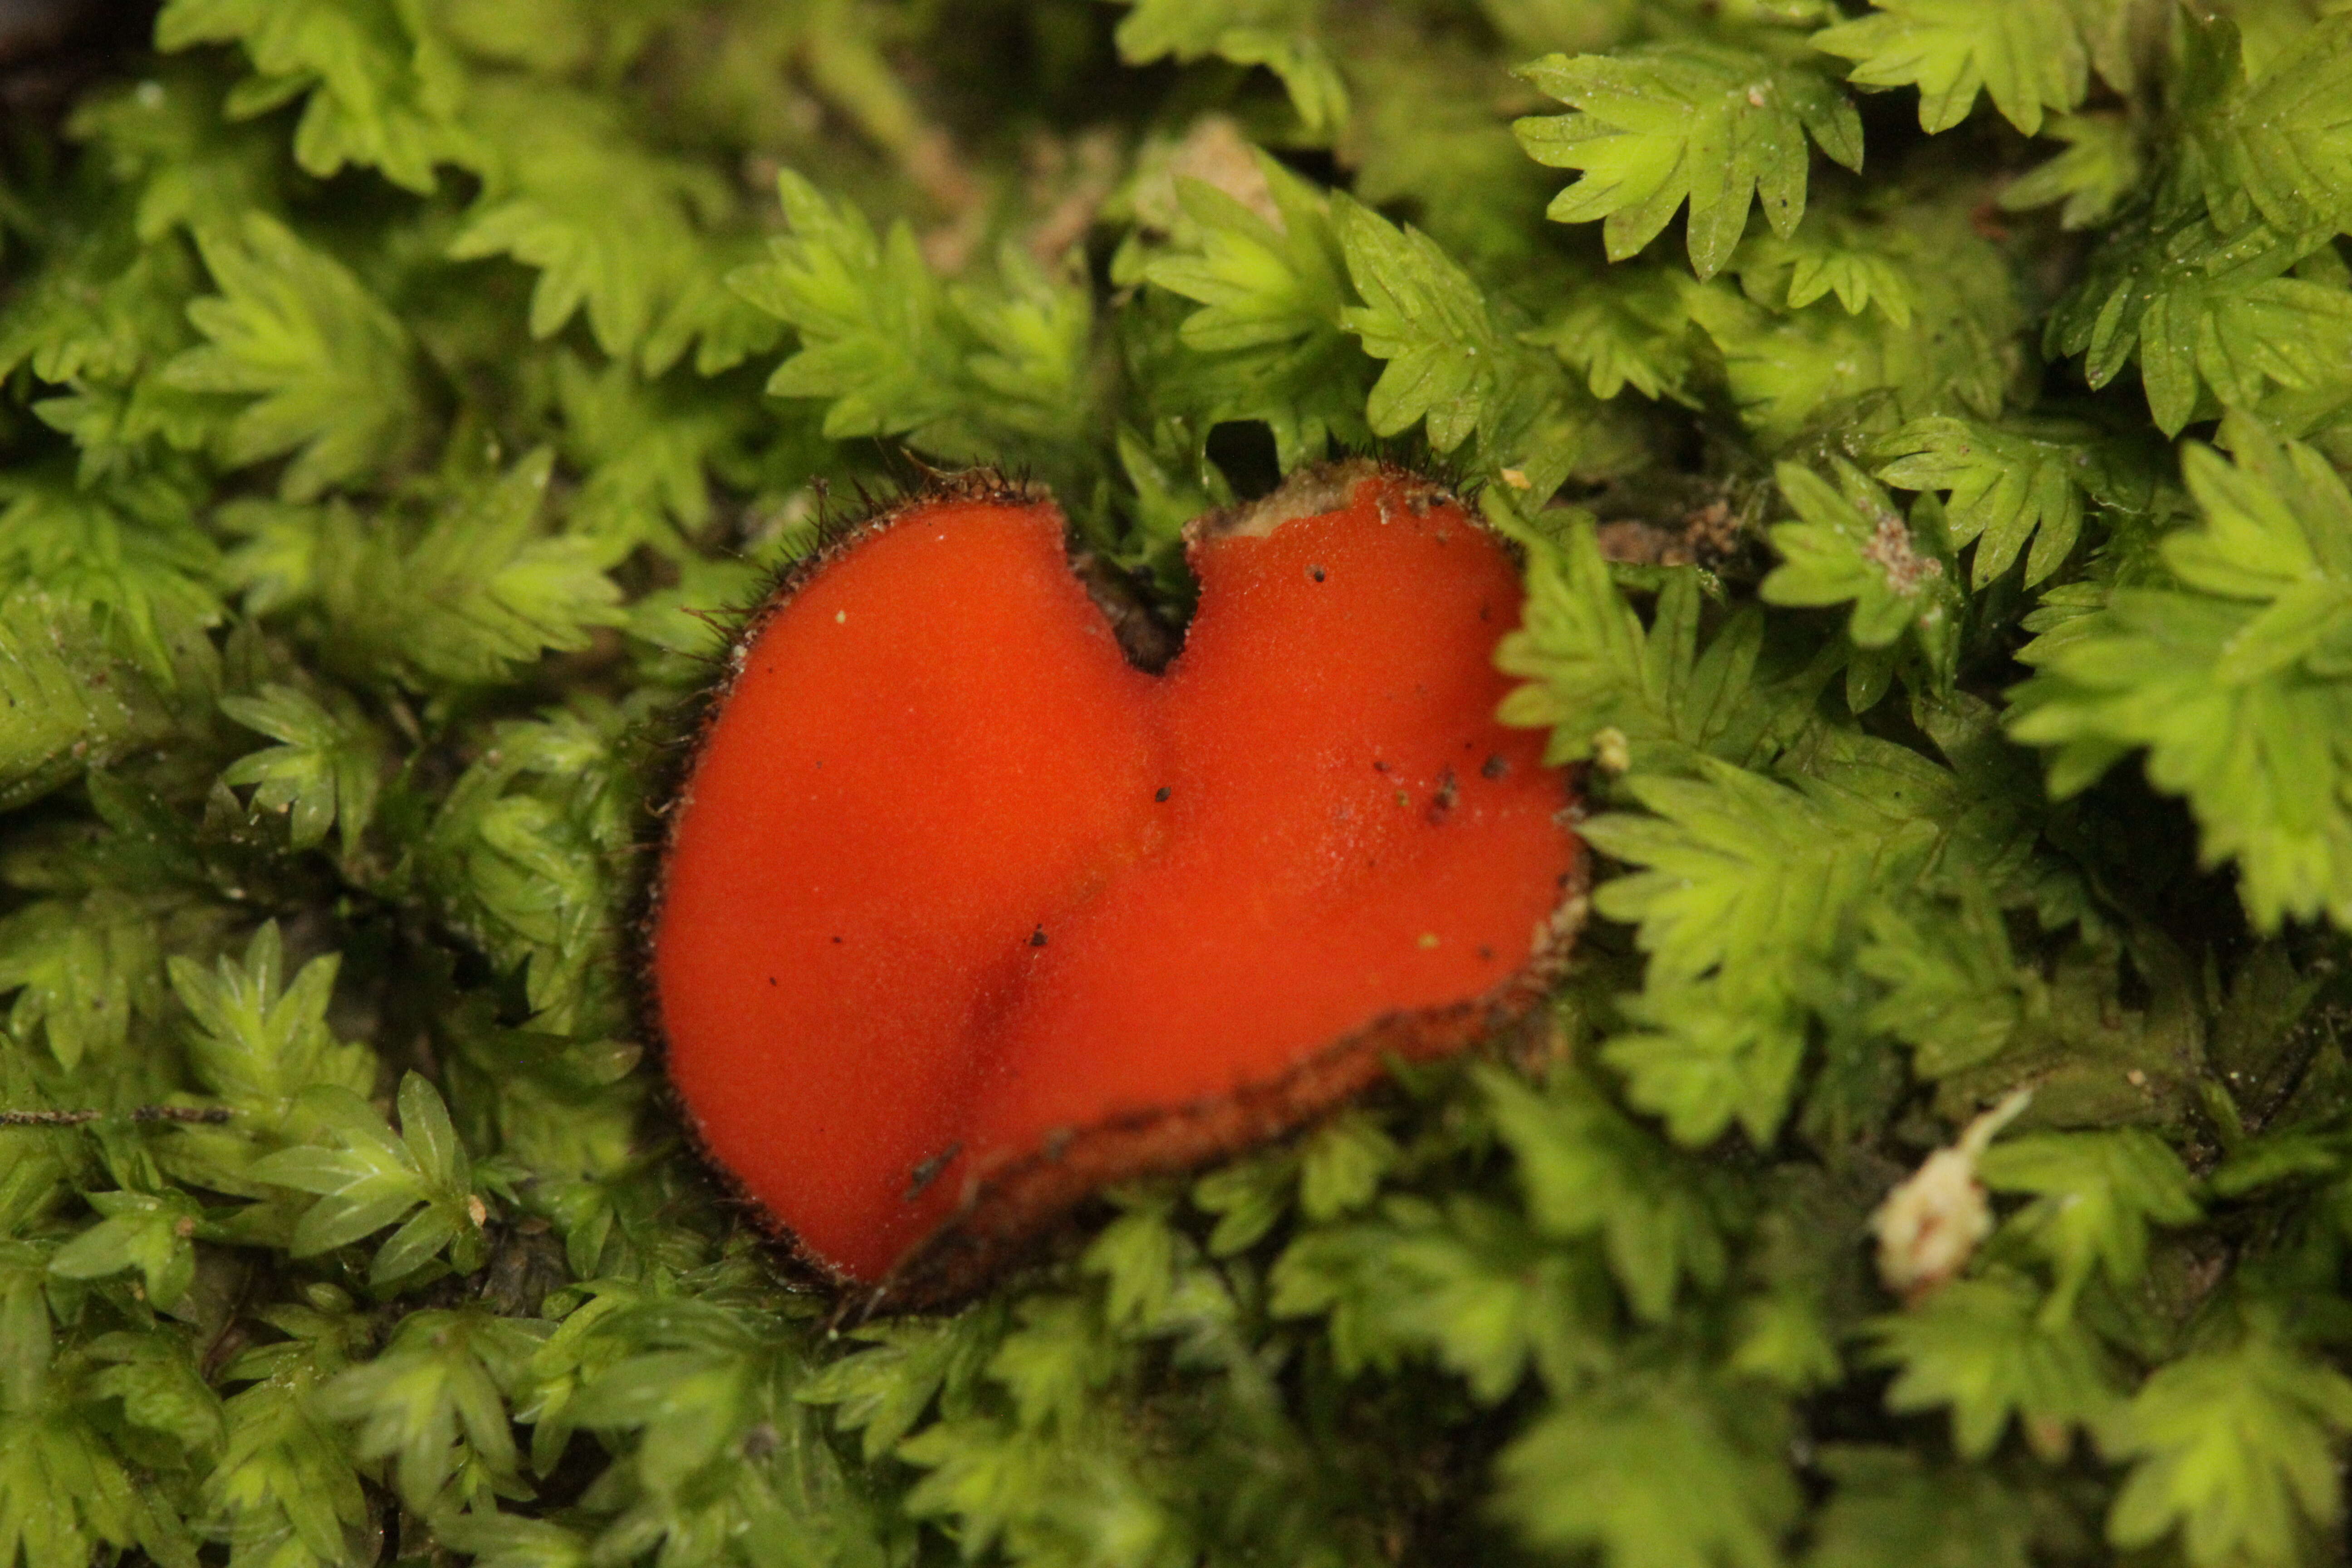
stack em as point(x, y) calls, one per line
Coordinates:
point(963, 915)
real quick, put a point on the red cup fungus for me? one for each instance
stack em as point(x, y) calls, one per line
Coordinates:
point(962, 916)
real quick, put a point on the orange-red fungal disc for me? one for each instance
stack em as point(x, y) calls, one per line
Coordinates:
point(963, 915)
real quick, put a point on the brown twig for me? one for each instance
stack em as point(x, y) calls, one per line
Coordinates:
point(185, 1115)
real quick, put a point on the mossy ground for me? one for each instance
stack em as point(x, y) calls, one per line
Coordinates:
point(1923, 427)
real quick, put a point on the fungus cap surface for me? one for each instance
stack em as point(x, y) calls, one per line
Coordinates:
point(963, 915)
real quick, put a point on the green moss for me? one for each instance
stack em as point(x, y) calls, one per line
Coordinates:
point(395, 391)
